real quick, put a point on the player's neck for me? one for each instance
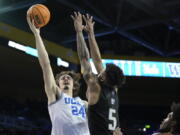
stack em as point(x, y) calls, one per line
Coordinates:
point(68, 92)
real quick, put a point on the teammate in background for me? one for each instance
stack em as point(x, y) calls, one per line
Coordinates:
point(102, 89)
point(171, 124)
point(67, 114)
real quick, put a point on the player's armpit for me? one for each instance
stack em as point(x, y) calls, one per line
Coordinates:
point(93, 90)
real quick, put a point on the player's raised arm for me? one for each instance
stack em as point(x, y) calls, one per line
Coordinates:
point(94, 50)
point(49, 81)
point(83, 53)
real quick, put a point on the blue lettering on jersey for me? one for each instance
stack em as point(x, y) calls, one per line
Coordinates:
point(67, 100)
point(71, 101)
point(78, 111)
point(77, 108)
point(74, 110)
point(82, 111)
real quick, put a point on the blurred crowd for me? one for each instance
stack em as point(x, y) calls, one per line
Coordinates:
point(32, 118)
point(29, 118)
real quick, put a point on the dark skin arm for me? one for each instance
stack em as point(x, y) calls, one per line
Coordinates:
point(93, 89)
point(95, 53)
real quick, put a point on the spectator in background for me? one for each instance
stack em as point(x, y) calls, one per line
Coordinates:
point(171, 124)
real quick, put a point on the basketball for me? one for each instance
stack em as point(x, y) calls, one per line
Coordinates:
point(40, 14)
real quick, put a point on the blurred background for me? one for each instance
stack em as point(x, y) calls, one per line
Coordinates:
point(141, 36)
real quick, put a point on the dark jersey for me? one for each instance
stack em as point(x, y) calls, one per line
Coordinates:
point(103, 116)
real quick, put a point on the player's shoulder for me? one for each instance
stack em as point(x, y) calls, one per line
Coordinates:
point(59, 98)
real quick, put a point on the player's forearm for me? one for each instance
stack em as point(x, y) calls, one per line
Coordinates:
point(94, 49)
point(95, 53)
point(42, 53)
point(82, 47)
point(83, 53)
point(49, 81)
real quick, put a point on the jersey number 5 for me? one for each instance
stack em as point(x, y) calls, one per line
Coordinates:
point(113, 124)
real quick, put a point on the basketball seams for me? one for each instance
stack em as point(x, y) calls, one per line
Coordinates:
point(46, 10)
point(42, 17)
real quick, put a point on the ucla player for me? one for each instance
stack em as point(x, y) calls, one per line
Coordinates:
point(102, 90)
point(67, 114)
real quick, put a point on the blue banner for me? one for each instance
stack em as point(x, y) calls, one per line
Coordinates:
point(145, 68)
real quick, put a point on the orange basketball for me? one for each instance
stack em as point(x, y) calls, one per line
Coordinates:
point(40, 14)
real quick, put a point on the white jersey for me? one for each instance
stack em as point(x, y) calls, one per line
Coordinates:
point(68, 116)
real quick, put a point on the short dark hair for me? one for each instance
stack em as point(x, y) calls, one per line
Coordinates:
point(114, 75)
point(76, 77)
point(175, 108)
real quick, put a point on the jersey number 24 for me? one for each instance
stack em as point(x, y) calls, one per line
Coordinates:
point(78, 111)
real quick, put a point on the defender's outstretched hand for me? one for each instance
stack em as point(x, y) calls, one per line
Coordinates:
point(89, 23)
point(77, 18)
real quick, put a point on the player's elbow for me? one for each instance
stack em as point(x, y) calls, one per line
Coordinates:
point(92, 100)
